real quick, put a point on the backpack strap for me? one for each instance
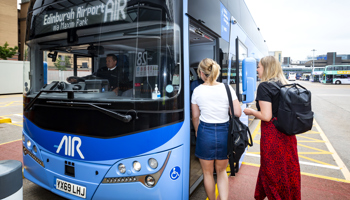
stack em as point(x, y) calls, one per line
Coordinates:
point(275, 84)
point(229, 99)
point(230, 146)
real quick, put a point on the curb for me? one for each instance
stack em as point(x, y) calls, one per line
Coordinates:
point(5, 120)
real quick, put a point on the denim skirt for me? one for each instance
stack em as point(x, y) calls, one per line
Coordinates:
point(211, 141)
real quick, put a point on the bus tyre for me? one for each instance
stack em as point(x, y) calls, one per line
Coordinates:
point(337, 82)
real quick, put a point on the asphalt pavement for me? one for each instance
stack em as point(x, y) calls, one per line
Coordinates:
point(323, 151)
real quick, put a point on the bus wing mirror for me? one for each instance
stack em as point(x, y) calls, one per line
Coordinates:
point(53, 56)
point(96, 50)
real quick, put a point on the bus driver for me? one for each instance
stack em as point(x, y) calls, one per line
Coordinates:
point(111, 72)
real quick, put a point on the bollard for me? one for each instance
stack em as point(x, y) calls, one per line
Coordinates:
point(11, 182)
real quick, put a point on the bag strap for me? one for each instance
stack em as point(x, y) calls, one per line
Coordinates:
point(275, 84)
point(293, 85)
point(229, 99)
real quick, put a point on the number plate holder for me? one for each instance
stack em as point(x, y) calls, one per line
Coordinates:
point(71, 188)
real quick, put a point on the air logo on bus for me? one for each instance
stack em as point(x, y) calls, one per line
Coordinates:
point(70, 146)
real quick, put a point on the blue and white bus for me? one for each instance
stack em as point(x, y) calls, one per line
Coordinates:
point(316, 74)
point(291, 76)
point(83, 140)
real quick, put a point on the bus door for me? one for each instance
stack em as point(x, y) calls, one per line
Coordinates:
point(202, 45)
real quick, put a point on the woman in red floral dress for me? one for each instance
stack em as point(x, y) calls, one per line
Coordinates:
point(279, 174)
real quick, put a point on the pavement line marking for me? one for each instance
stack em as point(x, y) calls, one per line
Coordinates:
point(256, 141)
point(311, 139)
point(300, 156)
point(251, 164)
point(9, 104)
point(336, 157)
point(20, 114)
point(305, 153)
point(307, 174)
point(319, 165)
point(9, 122)
point(10, 141)
point(20, 125)
point(333, 95)
point(311, 132)
point(256, 131)
point(304, 163)
point(325, 177)
point(317, 149)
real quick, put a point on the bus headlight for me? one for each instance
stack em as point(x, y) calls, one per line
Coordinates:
point(29, 144)
point(121, 168)
point(137, 166)
point(153, 163)
point(150, 181)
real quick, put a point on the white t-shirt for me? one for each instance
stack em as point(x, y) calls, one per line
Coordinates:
point(212, 102)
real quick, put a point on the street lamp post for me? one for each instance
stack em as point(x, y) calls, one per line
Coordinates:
point(313, 57)
point(313, 63)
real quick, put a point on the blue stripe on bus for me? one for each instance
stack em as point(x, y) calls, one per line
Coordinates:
point(97, 149)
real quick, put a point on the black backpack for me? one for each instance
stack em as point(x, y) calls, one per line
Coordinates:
point(294, 109)
point(237, 140)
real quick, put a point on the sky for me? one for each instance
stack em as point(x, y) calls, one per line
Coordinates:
point(296, 27)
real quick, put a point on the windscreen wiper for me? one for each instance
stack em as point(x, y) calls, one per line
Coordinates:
point(70, 95)
point(121, 117)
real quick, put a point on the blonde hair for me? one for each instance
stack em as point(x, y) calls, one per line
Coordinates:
point(210, 68)
point(272, 70)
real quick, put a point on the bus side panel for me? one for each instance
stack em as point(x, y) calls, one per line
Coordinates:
point(169, 186)
point(187, 131)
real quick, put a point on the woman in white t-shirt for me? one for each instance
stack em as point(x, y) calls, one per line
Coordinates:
point(210, 119)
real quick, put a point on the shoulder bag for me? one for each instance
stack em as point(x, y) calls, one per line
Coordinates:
point(237, 140)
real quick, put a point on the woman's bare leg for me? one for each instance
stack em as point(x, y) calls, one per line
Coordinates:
point(222, 179)
point(209, 182)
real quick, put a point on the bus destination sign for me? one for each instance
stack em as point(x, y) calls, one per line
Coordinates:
point(83, 15)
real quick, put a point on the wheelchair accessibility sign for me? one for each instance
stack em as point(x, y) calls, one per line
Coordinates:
point(175, 173)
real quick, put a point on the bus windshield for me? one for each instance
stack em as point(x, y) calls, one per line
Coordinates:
point(105, 51)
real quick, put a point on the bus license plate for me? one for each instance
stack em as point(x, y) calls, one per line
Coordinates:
point(71, 188)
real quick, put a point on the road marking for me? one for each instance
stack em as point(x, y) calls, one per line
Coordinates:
point(333, 95)
point(310, 139)
point(11, 103)
point(20, 125)
point(256, 131)
point(307, 174)
point(10, 141)
point(336, 157)
point(10, 96)
point(317, 163)
point(316, 149)
point(305, 163)
point(20, 114)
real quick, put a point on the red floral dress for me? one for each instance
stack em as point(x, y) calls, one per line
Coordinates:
point(279, 174)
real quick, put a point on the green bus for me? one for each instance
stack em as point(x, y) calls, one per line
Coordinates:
point(336, 74)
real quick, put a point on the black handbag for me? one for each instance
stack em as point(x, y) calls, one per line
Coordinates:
point(237, 140)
